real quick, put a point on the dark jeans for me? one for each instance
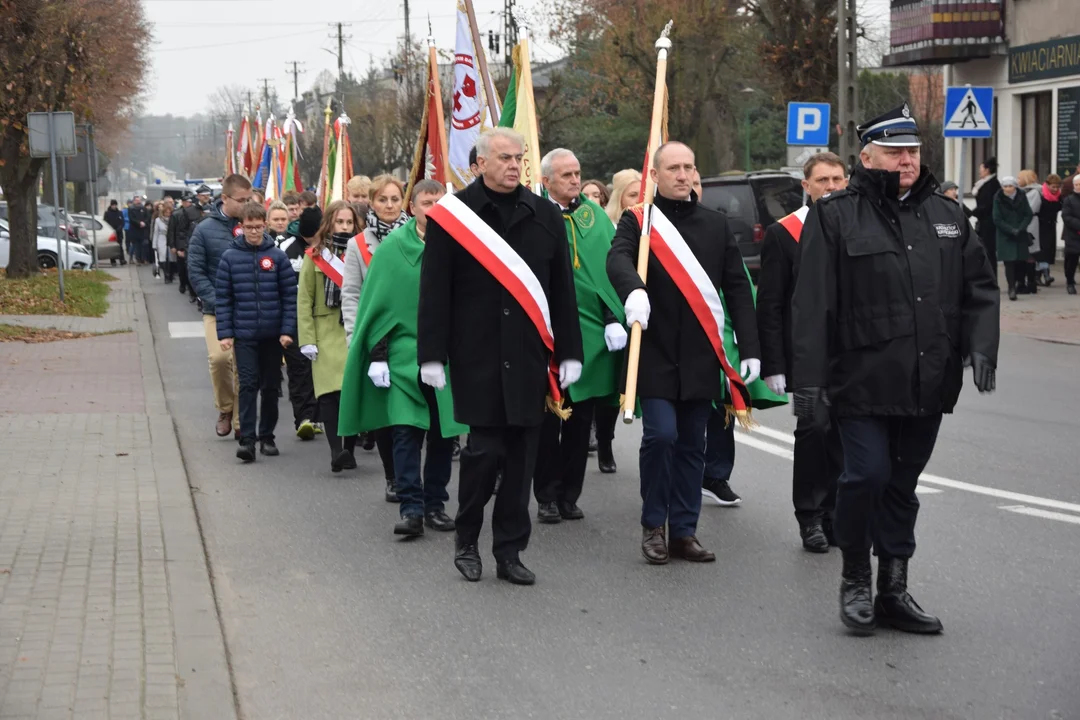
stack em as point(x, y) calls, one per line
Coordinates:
point(301, 386)
point(719, 446)
point(329, 404)
point(418, 498)
point(1070, 268)
point(258, 364)
point(490, 449)
point(563, 455)
point(137, 250)
point(819, 460)
point(672, 463)
point(876, 505)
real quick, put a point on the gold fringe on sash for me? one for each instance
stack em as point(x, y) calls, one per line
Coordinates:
point(563, 413)
point(743, 417)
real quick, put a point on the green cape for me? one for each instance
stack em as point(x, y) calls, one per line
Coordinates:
point(388, 308)
point(761, 397)
point(589, 232)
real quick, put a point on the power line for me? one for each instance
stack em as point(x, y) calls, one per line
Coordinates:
point(238, 42)
point(296, 72)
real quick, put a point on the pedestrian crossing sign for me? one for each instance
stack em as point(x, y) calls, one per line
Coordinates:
point(968, 111)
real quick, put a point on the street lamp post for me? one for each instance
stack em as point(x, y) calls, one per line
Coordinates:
point(746, 124)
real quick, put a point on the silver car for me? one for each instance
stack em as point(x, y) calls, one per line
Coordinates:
point(108, 247)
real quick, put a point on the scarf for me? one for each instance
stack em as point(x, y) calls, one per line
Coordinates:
point(1049, 195)
point(331, 292)
point(382, 229)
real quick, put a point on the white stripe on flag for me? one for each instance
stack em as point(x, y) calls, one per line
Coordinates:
point(693, 268)
point(506, 254)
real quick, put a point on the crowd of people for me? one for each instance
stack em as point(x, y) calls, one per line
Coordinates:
point(493, 324)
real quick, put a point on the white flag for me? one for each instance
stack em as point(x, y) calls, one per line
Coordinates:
point(470, 109)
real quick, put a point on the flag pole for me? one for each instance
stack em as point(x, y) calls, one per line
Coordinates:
point(481, 63)
point(532, 140)
point(663, 45)
point(324, 173)
point(433, 58)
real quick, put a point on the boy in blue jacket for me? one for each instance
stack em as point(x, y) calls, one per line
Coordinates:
point(256, 318)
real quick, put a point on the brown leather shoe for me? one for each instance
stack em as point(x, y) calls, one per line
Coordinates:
point(688, 548)
point(654, 546)
point(224, 424)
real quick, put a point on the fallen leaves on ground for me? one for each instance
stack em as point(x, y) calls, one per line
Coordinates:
point(17, 333)
point(85, 293)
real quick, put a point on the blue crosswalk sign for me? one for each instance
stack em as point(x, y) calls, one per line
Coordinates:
point(968, 111)
point(808, 124)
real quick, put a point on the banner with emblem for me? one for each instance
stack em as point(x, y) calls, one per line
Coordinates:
point(430, 158)
point(475, 103)
point(521, 113)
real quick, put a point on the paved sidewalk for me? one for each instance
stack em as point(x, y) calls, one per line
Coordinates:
point(106, 608)
point(1052, 314)
point(124, 301)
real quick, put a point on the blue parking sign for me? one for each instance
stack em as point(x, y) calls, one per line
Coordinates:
point(808, 124)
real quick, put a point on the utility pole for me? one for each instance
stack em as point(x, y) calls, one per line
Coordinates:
point(408, 52)
point(341, 38)
point(266, 93)
point(848, 87)
point(296, 73)
point(510, 30)
point(250, 107)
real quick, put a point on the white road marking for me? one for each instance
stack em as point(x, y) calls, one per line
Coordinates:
point(183, 330)
point(923, 490)
point(1045, 514)
point(747, 438)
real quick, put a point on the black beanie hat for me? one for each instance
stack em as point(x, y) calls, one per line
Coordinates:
point(310, 220)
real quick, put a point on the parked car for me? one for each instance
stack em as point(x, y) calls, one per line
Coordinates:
point(108, 248)
point(47, 221)
point(75, 255)
point(752, 202)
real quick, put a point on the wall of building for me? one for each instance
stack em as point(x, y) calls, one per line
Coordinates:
point(1032, 21)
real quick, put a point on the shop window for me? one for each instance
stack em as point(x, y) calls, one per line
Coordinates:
point(1036, 132)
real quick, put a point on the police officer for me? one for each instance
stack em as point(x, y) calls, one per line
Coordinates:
point(894, 297)
point(818, 457)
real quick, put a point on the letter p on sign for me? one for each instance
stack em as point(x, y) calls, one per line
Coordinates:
point(808, 124)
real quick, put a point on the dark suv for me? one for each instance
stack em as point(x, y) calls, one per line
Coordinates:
point(752, 202)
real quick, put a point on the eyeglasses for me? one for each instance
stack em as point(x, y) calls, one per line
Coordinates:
point(240, 200)
point(254, 228)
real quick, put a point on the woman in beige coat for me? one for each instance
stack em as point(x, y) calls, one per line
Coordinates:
point(319, 320)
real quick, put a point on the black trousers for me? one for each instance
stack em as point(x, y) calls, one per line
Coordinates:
point(563, 455)
point(513, 450)
point(819, 460)
point(258, 365)
point(1071, 262)
point(181, 272)
point(876, 505)
point(329, 404)
point(301, 386)
point(606, 417)
point(990, 245)
point(384, 442)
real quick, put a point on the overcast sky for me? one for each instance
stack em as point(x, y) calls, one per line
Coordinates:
point(200, 45)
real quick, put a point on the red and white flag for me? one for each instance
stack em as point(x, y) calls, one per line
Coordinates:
point(475, 103)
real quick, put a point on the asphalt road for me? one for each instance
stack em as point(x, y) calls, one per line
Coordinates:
point(327, 615)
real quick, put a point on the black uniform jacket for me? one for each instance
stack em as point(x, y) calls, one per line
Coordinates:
point(891, 296)
point(498, 363)
point(776, 284)
point(677, 360)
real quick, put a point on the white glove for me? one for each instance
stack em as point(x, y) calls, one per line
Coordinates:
point(776, 383)
point(569, 373)
point(379, 372)
point(615, 337)
point(637, 308)
point(432, 373)
point(750, 369)
point(310, 352)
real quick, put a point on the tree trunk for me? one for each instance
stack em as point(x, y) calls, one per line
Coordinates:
point(22, 220)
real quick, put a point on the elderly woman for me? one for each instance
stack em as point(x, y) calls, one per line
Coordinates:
point(625, 192)
point(1012, 215)
point(1028, 182)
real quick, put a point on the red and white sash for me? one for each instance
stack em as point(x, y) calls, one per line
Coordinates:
point(505, 265)
point(330, 264)
point(794, 222)
point(361, 245)
point(679, 261)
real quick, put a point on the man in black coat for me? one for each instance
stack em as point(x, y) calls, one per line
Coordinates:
point(185, 220)
point(1070, 233)
point(498, 362)
point(138, 231)
point(818, 455)
point(894, 297)
point(680, 375)
point(115, 218)
point(988, 187)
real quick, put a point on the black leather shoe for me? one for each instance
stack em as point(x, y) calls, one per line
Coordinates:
point(348, 461)
point(467, 561)
point(548, 513)
point(246, 452)
point(411, 526)
point(813, 538)
point(338, 463)
point(570, 511)
point(894, 606)
point(827, 528)
point(391, 491)
point(606, 459)
point(1071, 289)
point(438, 520)
point(367, 441)
point(515, 572)
point(856, 604)
point(267, 447)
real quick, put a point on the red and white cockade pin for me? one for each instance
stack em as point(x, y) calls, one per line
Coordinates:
point(266, 263)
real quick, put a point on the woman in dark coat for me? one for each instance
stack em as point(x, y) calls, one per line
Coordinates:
point(1012, 214)
point(985, 190)
point(1048, 215)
